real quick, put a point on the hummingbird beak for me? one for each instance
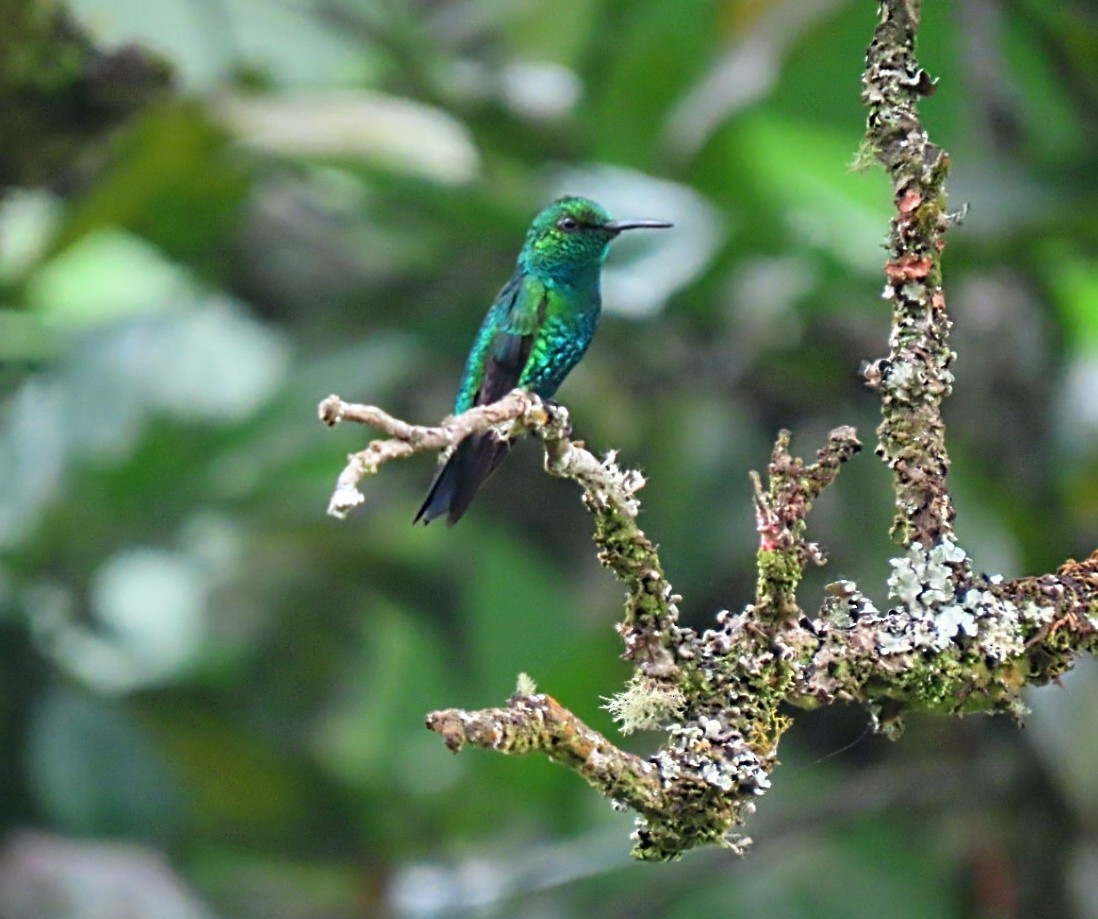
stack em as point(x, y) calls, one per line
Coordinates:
point(616, 226)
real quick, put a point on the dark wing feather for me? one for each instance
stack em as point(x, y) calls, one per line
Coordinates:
point(477, 457)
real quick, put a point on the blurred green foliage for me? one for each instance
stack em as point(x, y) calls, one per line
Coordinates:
point(194, 657)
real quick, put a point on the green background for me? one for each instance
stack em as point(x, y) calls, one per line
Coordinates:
point(196, 660)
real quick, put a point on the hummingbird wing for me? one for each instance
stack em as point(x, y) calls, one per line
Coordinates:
point(493, 369)
point(521, 315)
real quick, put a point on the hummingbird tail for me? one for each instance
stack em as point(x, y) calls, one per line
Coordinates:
point(456, 482)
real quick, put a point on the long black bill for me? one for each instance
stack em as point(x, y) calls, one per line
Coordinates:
point(618, 225)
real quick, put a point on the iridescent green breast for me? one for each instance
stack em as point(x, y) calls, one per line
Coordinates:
point(563, 338)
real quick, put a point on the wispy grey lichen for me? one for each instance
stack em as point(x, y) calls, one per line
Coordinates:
point(645, 704)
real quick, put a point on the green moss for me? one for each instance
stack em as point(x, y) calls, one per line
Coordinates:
point(779, 574)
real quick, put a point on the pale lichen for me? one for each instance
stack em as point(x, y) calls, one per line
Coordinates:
point(525, 685)
point(645, 704)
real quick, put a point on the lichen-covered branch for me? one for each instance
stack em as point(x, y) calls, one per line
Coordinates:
point(915, 377)
point(721, 708)
point(538, 723)
point(951, 642)
point(649, 627)
point(780, 514)
point(608, 492)
point(946, 648)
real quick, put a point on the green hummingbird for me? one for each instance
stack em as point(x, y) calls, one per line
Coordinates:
point(535, 332)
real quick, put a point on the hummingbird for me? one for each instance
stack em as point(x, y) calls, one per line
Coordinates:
point(535, 332)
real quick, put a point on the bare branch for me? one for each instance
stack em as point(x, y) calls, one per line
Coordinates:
point(409, 439)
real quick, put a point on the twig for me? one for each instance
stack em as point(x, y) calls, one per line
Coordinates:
point(781, 513)
point(408, 439)
point(536, 722)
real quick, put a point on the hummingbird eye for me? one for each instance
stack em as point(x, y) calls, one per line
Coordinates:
point(568, 224)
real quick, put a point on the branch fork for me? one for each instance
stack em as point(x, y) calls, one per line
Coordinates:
point(953, 641)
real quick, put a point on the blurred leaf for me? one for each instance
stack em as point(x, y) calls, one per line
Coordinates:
point(32, 457)
point(171, 180)
point(1074, 281)
point(336, 126)
point(650, 68)
point(1062, 735)
point(43, 875)
point(28, 219)
point(251, 885)
point(237, 787)
point(769, 31)
point(207, 41)
point(518, 613)
point(823, 203)
point(95, 771)
point(372, 733)
point(106, 275)
point(575, 22)
point(23, 338)
point(1052, 119)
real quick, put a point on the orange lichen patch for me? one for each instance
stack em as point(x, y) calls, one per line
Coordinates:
point(908, 268)
point(909, 201)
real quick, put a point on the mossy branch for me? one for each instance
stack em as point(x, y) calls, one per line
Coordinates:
point(536, 722)
point(915, 378)
point(954, 641)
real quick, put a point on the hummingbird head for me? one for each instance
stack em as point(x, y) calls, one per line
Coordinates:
point(573, 234)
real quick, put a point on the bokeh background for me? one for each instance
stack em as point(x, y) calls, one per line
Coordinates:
point(211, 694)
